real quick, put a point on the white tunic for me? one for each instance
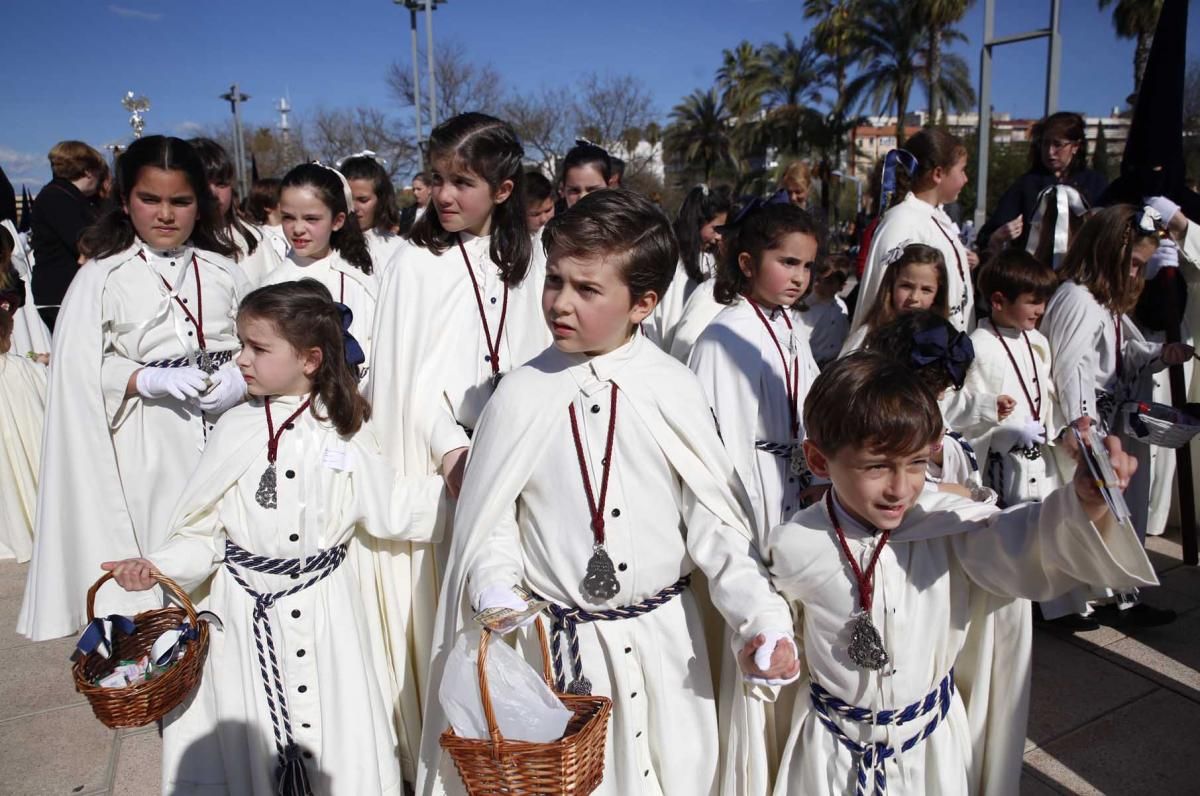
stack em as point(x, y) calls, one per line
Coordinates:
point(384, 248)
point(916, 221)
point(114, 467)
point(701, 308)
point(22, 413)
point(828, 324)
point(263, 261)
point(945, 551)
point(30, 332)
point(432, 372)
point(673, 505)
point(662, 323)
point(278, 240)
point(338, 693)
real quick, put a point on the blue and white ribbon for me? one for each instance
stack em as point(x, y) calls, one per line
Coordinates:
point(97, 637)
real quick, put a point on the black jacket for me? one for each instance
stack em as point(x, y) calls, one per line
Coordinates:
point(60, 214)
point(1021, 200)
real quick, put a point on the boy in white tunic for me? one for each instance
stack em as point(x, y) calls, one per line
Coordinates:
point(266, 522)
point(598, 482)
point(883, 574)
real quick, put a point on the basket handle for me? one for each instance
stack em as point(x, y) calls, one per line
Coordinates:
point(485, 693)
point(169, 586)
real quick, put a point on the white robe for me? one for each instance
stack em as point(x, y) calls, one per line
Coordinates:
point(701, 308)
point(828, 324)
point(331, 656)
point(916, 221)
point(945, 551)
point(265, 259)
point(22, 414)
point(30, 332)
point(384, 249)
point(430, 375)
point(662, 323)
point(674, 503)
point(278, 240)
point(113, 467)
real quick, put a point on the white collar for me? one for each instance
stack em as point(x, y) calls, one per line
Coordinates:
point(176, 254)
point(593, 373)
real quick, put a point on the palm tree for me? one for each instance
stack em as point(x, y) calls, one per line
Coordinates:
point(954, 91)
point(794, 79)
point(1135, 19)
point(892, 34)
point(741, 80)
point(836, 37)
point(939, 18)
point(699, 131)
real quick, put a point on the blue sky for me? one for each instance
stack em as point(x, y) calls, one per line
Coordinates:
point(182, 54)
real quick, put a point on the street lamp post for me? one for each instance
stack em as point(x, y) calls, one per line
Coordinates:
point(136, 105)
point(235, 98)
point(429, 6)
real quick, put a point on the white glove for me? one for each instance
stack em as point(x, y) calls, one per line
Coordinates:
point(227, 391)
point(183, 384)
point(1165, 256)
point(1030, 433)
point(1165, 207)
point(500, 596)
point(762, 657)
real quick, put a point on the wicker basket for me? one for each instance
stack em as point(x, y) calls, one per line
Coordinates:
point(574, 764)
point(139, 705)
point(1160, 424)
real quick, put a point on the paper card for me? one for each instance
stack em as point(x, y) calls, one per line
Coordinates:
point(338, 459)
point(502, 620)
point(1095, 456)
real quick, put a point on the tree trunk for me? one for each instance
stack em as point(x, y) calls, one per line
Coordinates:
point(839, 114)
point(901, 112)
point(933, 74)
point(1141, 54)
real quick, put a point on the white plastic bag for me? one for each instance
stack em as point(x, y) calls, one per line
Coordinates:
point(525, 707)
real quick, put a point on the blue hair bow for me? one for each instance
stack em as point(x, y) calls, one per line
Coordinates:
point(354, 352)
point(98, 635)
point(896, 157)
point(947, 347)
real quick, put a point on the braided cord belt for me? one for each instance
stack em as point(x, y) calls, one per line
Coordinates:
point(217, 358)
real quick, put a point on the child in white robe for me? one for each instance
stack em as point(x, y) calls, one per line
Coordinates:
point(901, 565)
point(22, 414)
point(375, 205)
point(30, 333)
point(286, 482)
point(606, 414)
point(937, 179)
point(1100, 360)
point(256, 257)
point(327, 245)
point(459, 309)
point(142, 368)
point(262, 208)
point(824, 313)
point(914, 278)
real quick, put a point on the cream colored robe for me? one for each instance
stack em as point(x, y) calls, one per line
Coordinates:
point(30, 332)
point(22, 414)
point(257, 266)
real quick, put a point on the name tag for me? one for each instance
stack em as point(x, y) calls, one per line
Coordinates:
point(340, 460)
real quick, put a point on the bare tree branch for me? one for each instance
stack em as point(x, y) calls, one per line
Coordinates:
point(461, 85)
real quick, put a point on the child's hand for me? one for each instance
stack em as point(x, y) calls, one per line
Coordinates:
point(1086, 487)
point(783, 665)
point(134, 574)
point(454, 464)
point(972, 259)
point(1005, 404)
point(1176, 353)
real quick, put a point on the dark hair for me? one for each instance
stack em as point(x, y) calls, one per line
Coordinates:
point(762, 229)
point(895, 341)
point(218, 169)
point(585, 153)
point(699, 207)
point(304, 314)
point(1066, 124)
point(6, 330)
point(618, 168)
point(883, 309)
point(1100, 256)
point(263, 198)
point(933, 148)
point(867, 401)
point(1014, 272)
point(327, 185)
point(424, 177)
point(488, 147)
point(617, 222)
point(537, 187)
point(113, 231)
point(387, 215)
point(7, 247)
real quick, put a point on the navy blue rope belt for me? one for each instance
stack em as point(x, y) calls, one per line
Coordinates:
point(215, 358)
point(872, 755)
point(567, 619)
point(291, 776)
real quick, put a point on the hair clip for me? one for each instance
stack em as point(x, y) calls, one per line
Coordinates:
point(895, 253)
point(947, 347)
point(887, 188)
point(349, 195)
point(1149, 221)
point(366, 153)
point(703, 186)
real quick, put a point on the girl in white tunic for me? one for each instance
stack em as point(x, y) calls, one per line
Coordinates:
point(256, 256)
point(327, 244)
point(598, 481)
point(881, 713)
point(262, 208)
point(30, 332)
point(460, 308)
point(1099, 358)
point(697, 228)
point(913, 279)
point(288, 479)
point(22, 413)
point(142, 367)
point(375, 206)
point(939, 176)
point(823, 313)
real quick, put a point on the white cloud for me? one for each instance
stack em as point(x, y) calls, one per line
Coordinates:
point(133, 13)
point(15, 162)
point(190, 129)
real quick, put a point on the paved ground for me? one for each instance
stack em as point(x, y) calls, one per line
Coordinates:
point(1111, 713)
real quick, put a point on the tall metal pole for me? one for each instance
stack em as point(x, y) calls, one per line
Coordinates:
point(429, 54)
point(412, 19)
point(985, 112)
point(1054, 59)
point(241, 143)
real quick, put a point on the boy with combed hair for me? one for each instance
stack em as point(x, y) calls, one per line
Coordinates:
point(882, 573)
point(598, 482)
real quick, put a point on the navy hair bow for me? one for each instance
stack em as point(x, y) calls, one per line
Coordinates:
point(887, 186)
point(354, 352)
point(947, 347)
point(98, 635)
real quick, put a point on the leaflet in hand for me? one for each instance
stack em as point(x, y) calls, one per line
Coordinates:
point(1095, 456)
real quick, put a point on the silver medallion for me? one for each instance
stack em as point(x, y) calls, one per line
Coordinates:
point(866, 646)
point(207, 364)
point(495, 380)
point(266, 495)
point(600, 581)
point(799, 465)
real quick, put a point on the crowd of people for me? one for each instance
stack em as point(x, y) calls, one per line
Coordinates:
point(793, 532)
